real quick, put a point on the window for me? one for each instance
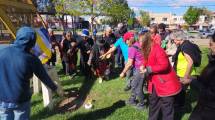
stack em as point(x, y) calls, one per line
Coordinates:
point(164, 19)
point(175, 19)
point(152, 19)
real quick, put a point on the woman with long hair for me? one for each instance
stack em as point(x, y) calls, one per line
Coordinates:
point(163, 83)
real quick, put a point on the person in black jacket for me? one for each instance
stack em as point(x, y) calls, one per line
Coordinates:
point(101, 68)
point(205, 108)
point(110, 39)
point(17, 67)
point(85, 46)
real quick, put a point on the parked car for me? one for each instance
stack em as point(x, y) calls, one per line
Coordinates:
point(205, 34)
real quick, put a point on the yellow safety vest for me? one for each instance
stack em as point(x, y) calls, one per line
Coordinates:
point(182, 66)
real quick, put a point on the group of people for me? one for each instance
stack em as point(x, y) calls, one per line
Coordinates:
point(166, 62)
point(163, 61)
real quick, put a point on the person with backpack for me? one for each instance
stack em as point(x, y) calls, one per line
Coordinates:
point(186, 59)
point(205, 107)
point(135, 58)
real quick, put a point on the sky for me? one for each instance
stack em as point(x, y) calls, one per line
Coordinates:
point(177, 7)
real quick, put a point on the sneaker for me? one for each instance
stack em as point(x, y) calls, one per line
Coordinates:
point(130, 102)
point(100, 80)
point(140, 106)
point(127, 88)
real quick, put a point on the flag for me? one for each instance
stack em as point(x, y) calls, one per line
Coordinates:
point(42, 49)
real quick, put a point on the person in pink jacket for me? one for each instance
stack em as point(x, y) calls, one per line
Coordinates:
point(163, 83)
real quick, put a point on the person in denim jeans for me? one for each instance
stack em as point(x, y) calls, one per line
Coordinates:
point(17, 67)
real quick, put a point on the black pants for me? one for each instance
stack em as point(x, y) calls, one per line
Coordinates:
point(85, 69)
point(163, 104)
point(180, 99)
point(202, 112)
point(137, 86)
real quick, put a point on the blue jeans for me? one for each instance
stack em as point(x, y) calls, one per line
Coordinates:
point(137, 86)
point(21, 112)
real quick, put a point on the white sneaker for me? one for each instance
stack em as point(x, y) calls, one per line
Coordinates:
point(100, 80)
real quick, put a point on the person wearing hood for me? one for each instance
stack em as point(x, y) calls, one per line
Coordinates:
point(101, 68)
point(17, 67)
point(205, 108)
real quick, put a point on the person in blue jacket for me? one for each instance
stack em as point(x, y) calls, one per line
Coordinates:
point(17, 67)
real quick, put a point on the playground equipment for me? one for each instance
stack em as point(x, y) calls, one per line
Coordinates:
point(14, 14)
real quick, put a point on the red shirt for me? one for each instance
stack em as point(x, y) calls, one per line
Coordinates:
point(163, 76)
point(156, 39)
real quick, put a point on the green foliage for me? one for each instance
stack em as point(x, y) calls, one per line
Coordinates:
point(144, 18)
point(118, 11)
point(192, 15)
point(108, 98)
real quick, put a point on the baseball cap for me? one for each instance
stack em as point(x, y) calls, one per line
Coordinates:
point(85, 33)
point(128, 36)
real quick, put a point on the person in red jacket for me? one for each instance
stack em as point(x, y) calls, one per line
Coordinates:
point(155, 37)
point(163, 83)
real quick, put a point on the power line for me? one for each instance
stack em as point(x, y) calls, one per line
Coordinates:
point(172, 5)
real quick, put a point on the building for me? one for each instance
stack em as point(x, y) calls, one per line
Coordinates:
point(157, 18)
point(213, 19)
point(178, 20)
point(172, 20)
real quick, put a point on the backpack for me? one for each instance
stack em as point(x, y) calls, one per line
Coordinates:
point(137, 48)
point(194, 51)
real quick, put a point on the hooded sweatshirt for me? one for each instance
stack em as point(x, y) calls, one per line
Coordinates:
point(17, 67)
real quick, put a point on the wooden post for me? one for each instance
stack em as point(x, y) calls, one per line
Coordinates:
point(36, 85)
point(47, 97)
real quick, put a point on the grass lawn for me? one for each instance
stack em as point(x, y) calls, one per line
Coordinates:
point(108, 100)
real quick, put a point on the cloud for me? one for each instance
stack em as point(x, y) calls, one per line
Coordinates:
point(174, 3)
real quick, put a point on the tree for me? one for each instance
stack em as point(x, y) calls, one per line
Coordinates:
point(204, 11)
point(131, 19)
point(192, 15)
point(92, 8)
point(118, 11)
point(144, 18)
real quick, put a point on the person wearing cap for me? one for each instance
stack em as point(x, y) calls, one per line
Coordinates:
point(85, 46)
point(101, 68)
point(135, 58)
point(121, 42)
point(156, 38)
